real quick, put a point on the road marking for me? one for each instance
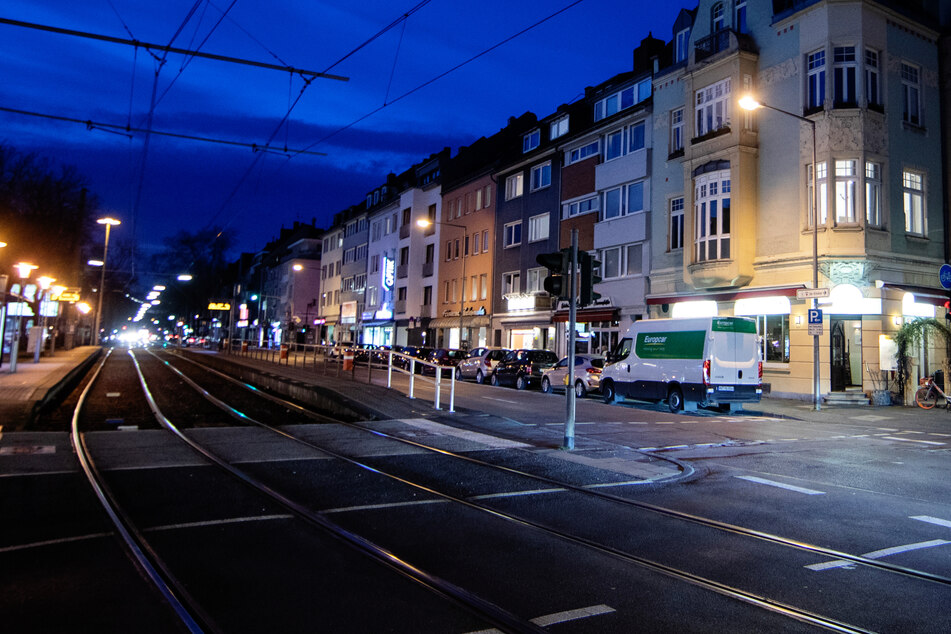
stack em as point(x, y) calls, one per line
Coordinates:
point(878, 554)
point(19, 450)
point(666, 422)
point(230, 520)
point(605, 485)
point(931, 520)
point(859, 436)
point(923, 442)
point(561, 617)
point(510, 494)
point(489, 398)
point(53, 542)
point(911, 432)
point(886, 429)
point(373, 507)
point(941, 435)
point(780, 485)
point(113, 394)
point(492, 442)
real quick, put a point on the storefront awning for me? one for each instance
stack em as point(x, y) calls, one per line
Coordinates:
point(726, 296)
point(589, 314)
point(923, 294)
point(468, 321)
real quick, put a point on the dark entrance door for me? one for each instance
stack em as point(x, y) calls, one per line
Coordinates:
point(845, 336)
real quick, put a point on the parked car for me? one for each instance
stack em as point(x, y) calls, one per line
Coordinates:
point(448, 357)
point(587, 375)
point(523, 368)
point(410, 351)
point(362, 352)
point(479, 364)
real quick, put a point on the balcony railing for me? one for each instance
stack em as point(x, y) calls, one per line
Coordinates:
point(399, 306)
point(425, 310)
point(428, 268)
point(404, 230)
point(402, 271)
point(722, 40)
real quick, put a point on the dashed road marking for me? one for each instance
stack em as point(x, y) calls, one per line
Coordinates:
point(54, 542)
point(781, 485)
point(878, 554)
point(373, 507)
point(492, 442)
point(502, 400)
point(923, 442)
point(230, 520)
point(512, 494)
point(561, 617)
point(931, 520)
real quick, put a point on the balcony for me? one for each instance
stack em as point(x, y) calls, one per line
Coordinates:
point(404, 231)
point(425, 310)
point(402, 271)
point(428, 269)
point(722, 40)
point(399, 306)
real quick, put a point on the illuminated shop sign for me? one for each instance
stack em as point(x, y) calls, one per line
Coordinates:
point(389, 273)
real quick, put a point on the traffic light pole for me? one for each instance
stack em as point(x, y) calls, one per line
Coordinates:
point(572, 318)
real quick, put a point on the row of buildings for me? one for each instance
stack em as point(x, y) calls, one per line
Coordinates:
point(692, 204)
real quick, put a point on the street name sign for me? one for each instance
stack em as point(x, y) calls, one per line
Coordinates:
point(810, 293)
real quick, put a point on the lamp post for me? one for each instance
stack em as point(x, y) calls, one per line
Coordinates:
point(748, 102)
point(425, 223)
point(109, 222)
point(23, 270)
point(45, 283)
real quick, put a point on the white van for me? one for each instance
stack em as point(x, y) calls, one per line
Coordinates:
point(705, 361)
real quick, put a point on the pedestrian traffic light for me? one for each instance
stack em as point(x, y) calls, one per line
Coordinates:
point(590, 275)
point(558, 264)
point(947, 308)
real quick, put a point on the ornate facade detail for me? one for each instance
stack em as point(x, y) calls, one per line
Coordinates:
point(854, 272)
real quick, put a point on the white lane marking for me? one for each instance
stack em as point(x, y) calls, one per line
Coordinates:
point(512, 494)
point(230, 520)
point(666, 422)
point(923, 442)
point(911, 432)
point(54, 542)
point(112, 394)
point(780, 485)
point(489, 398)
point(33, 473)
point(446, 430)
point(372, 507)
point(561, 617)
point(860, 436)
point(605, 485)
point(886, 429)
point(931, 520)
point(878, 554)
point(940, 435)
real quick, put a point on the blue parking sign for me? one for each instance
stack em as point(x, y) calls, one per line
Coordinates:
point(815, 316)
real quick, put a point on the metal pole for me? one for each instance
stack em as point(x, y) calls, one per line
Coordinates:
point(572, 318)
point(102, 282)
point(462, 287)
point(815, 264)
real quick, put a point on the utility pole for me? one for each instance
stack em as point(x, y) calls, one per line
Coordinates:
point(572, 318)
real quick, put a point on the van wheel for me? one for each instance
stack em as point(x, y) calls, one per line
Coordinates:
point(675, 400)
point(520, 383)
point(480, 378)
point(580, 391)
point(546, 385)
point(608, 393)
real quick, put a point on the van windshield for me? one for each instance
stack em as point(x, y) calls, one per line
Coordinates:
point(622, 350)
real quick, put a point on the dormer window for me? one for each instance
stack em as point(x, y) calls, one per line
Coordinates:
point(683, 37)
point(531, 141)
point(717, 21)
point(559, 127)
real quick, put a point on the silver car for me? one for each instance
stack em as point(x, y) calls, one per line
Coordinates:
point(478, 365)
point(587, 377)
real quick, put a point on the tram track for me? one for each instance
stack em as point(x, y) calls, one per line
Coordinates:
point(757, 599)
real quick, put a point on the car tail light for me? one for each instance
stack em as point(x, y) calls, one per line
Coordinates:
point(706, 372)
point(529, 369)
point(760, 371)
point(593, 370)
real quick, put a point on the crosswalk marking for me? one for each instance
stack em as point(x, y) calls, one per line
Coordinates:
point(878, 554)
point(932, 520)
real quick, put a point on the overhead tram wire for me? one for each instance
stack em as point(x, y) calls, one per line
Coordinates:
point(443, 74)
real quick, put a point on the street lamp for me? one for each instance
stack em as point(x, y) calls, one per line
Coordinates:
point(109, 222)
point(23, 271)
point(425, 223)
point(45, 282)
point(748, 102)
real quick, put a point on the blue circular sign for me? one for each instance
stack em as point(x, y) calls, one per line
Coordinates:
point(944, 276)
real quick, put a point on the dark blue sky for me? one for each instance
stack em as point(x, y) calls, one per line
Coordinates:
point(188, 185)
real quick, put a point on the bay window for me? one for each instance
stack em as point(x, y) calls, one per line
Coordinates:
point(712, 209)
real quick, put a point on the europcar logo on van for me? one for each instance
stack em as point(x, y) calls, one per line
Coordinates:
point(686, 344)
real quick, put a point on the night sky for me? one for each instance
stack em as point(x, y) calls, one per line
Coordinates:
point(190, 185)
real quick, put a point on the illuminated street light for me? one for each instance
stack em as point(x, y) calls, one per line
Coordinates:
point(109, 222)
point(748, 102)
point(184, 277)
point(45, 282)
point(23, 272)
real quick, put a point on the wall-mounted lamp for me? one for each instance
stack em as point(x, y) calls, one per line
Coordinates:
point(798, 320)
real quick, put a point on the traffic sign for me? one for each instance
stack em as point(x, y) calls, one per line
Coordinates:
point(815, 316)
point(810, 293)
point(815, 329)
point(944, 276)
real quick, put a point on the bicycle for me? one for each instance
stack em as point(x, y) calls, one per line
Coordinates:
point(927, 395)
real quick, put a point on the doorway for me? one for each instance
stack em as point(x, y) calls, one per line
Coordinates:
point(845, 336)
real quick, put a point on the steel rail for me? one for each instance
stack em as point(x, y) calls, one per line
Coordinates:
point(135, 545)
point(460, 596)
point(744, 596)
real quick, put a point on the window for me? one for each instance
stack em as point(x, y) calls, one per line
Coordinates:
point(485, 241)
point(635, 136)
point(712, 207)
point(349, 256)
point(845, 190)
point(872, 89)
point(531, 140)
point(559, 128)
point(475, 243)
point(373, 297)
point(622, 261)
point(455, 286)
point(430, 254)
point(910, 94)
point(739, 24)
point(713, 107)
point(844, 68)
point(448, 250)
point(816, 80)
point(717, 21)
point(346, 284)
point(873, 194)
point(474, 285)
point(513, 186)
point(486, 196)
point(676, 238)
point(913, 198)
point(534, 279)
point(538, 227)
point(455, 254)
point(823, 184)
point(624, 200)
point(445, 292)
point(620, 100)
point(583, 152)
point(483, 285)
point(683, 40)
point(612, 145)
point(541, 176)
point(581, 207)
point(511, 283)
point(478, 199)
point(427, 295)
point(465, 247)
point(512, 234)
point(676, 130)
point(375, 263)
point(360, 253)
point(774, 330)
point(360, 281)
point(404, 256)
point(406, 216)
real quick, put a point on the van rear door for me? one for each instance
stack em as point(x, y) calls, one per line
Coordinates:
point(734, 359)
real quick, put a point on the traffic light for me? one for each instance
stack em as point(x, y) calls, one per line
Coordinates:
point(590, 275)
point(557, 264)
point(947, 308)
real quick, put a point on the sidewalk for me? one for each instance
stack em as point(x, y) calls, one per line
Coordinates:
point(24, 392)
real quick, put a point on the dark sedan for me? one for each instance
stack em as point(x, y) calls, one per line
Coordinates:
point(523, 368)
